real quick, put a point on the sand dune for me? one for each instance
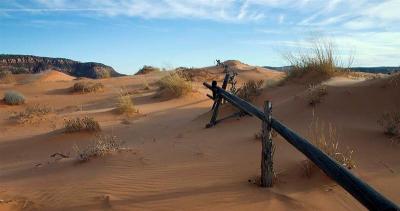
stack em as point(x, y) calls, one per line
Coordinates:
point(174, 163)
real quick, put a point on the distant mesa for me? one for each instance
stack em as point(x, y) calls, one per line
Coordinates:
point(18, 64)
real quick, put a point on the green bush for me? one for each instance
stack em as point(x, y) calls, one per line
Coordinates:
point(14, 98)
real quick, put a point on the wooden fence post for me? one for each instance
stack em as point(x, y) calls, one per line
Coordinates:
point(267, 153)
point(217, 101)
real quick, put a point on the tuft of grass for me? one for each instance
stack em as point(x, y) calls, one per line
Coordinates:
point(6, 76)
point(327, 140)
point(250, 90)
point(390, 122)
point(14, 98)
point(87, 86)
point(315, 93)
point(81, 124)
point(125, 105)
point(320, 59)
point(175, 85)
point(32, 113)
point(101, 146)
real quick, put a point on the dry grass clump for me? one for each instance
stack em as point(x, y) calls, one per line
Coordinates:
point(125, 105)
point(390, 122)
point(175, 85)
point(327, 140)
point(6, 76)
point(32, 114)
point(103, 145)
point(14, 98)
point(320, 60)
point(250, 90)
point(81, 124)
point(315, 93)
point(87, 86)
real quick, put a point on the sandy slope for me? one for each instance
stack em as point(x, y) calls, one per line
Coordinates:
point(175, 163)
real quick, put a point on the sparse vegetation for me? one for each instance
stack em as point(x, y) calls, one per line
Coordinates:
point(32, 114)
point(147, 69)
point(6, 76)
point(125, 105)
point(103, 145)
point(175, 85)
point(250, 90)
point(319, 60)
point(390, 122)
point(100, 73)
point(87, 86)
point(394, 80)
point(327, 140)
point(81, 124)
point(14, 98)
point(315, 93)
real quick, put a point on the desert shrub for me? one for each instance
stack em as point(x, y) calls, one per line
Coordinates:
point(320, 58)
point(81, 124)
point(14, 98)
point(125, 105)
point(147, 69)
point(390, 122)
point(250, 90)
point(102, 74)
point(32, 113)
point(6, 76)
point(315, 93)
point(101, 146)
point(327, 140)
point(175, 85)
point(87, 86)
point(394, 80)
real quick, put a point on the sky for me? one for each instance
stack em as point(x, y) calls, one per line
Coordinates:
point(127, 34)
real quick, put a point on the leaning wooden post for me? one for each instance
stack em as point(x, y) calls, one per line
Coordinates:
point(218, 100)
point(267, 168)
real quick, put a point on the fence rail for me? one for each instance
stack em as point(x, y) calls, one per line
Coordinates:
point(360, 190)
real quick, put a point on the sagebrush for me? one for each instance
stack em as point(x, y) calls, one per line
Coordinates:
point(102, 145)
point(14, 98)
point(87, 86)
point(81, 124)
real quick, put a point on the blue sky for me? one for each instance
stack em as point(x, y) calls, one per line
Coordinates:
point(127, 34)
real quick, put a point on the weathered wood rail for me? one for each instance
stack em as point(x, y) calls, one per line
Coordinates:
point(360, 190)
